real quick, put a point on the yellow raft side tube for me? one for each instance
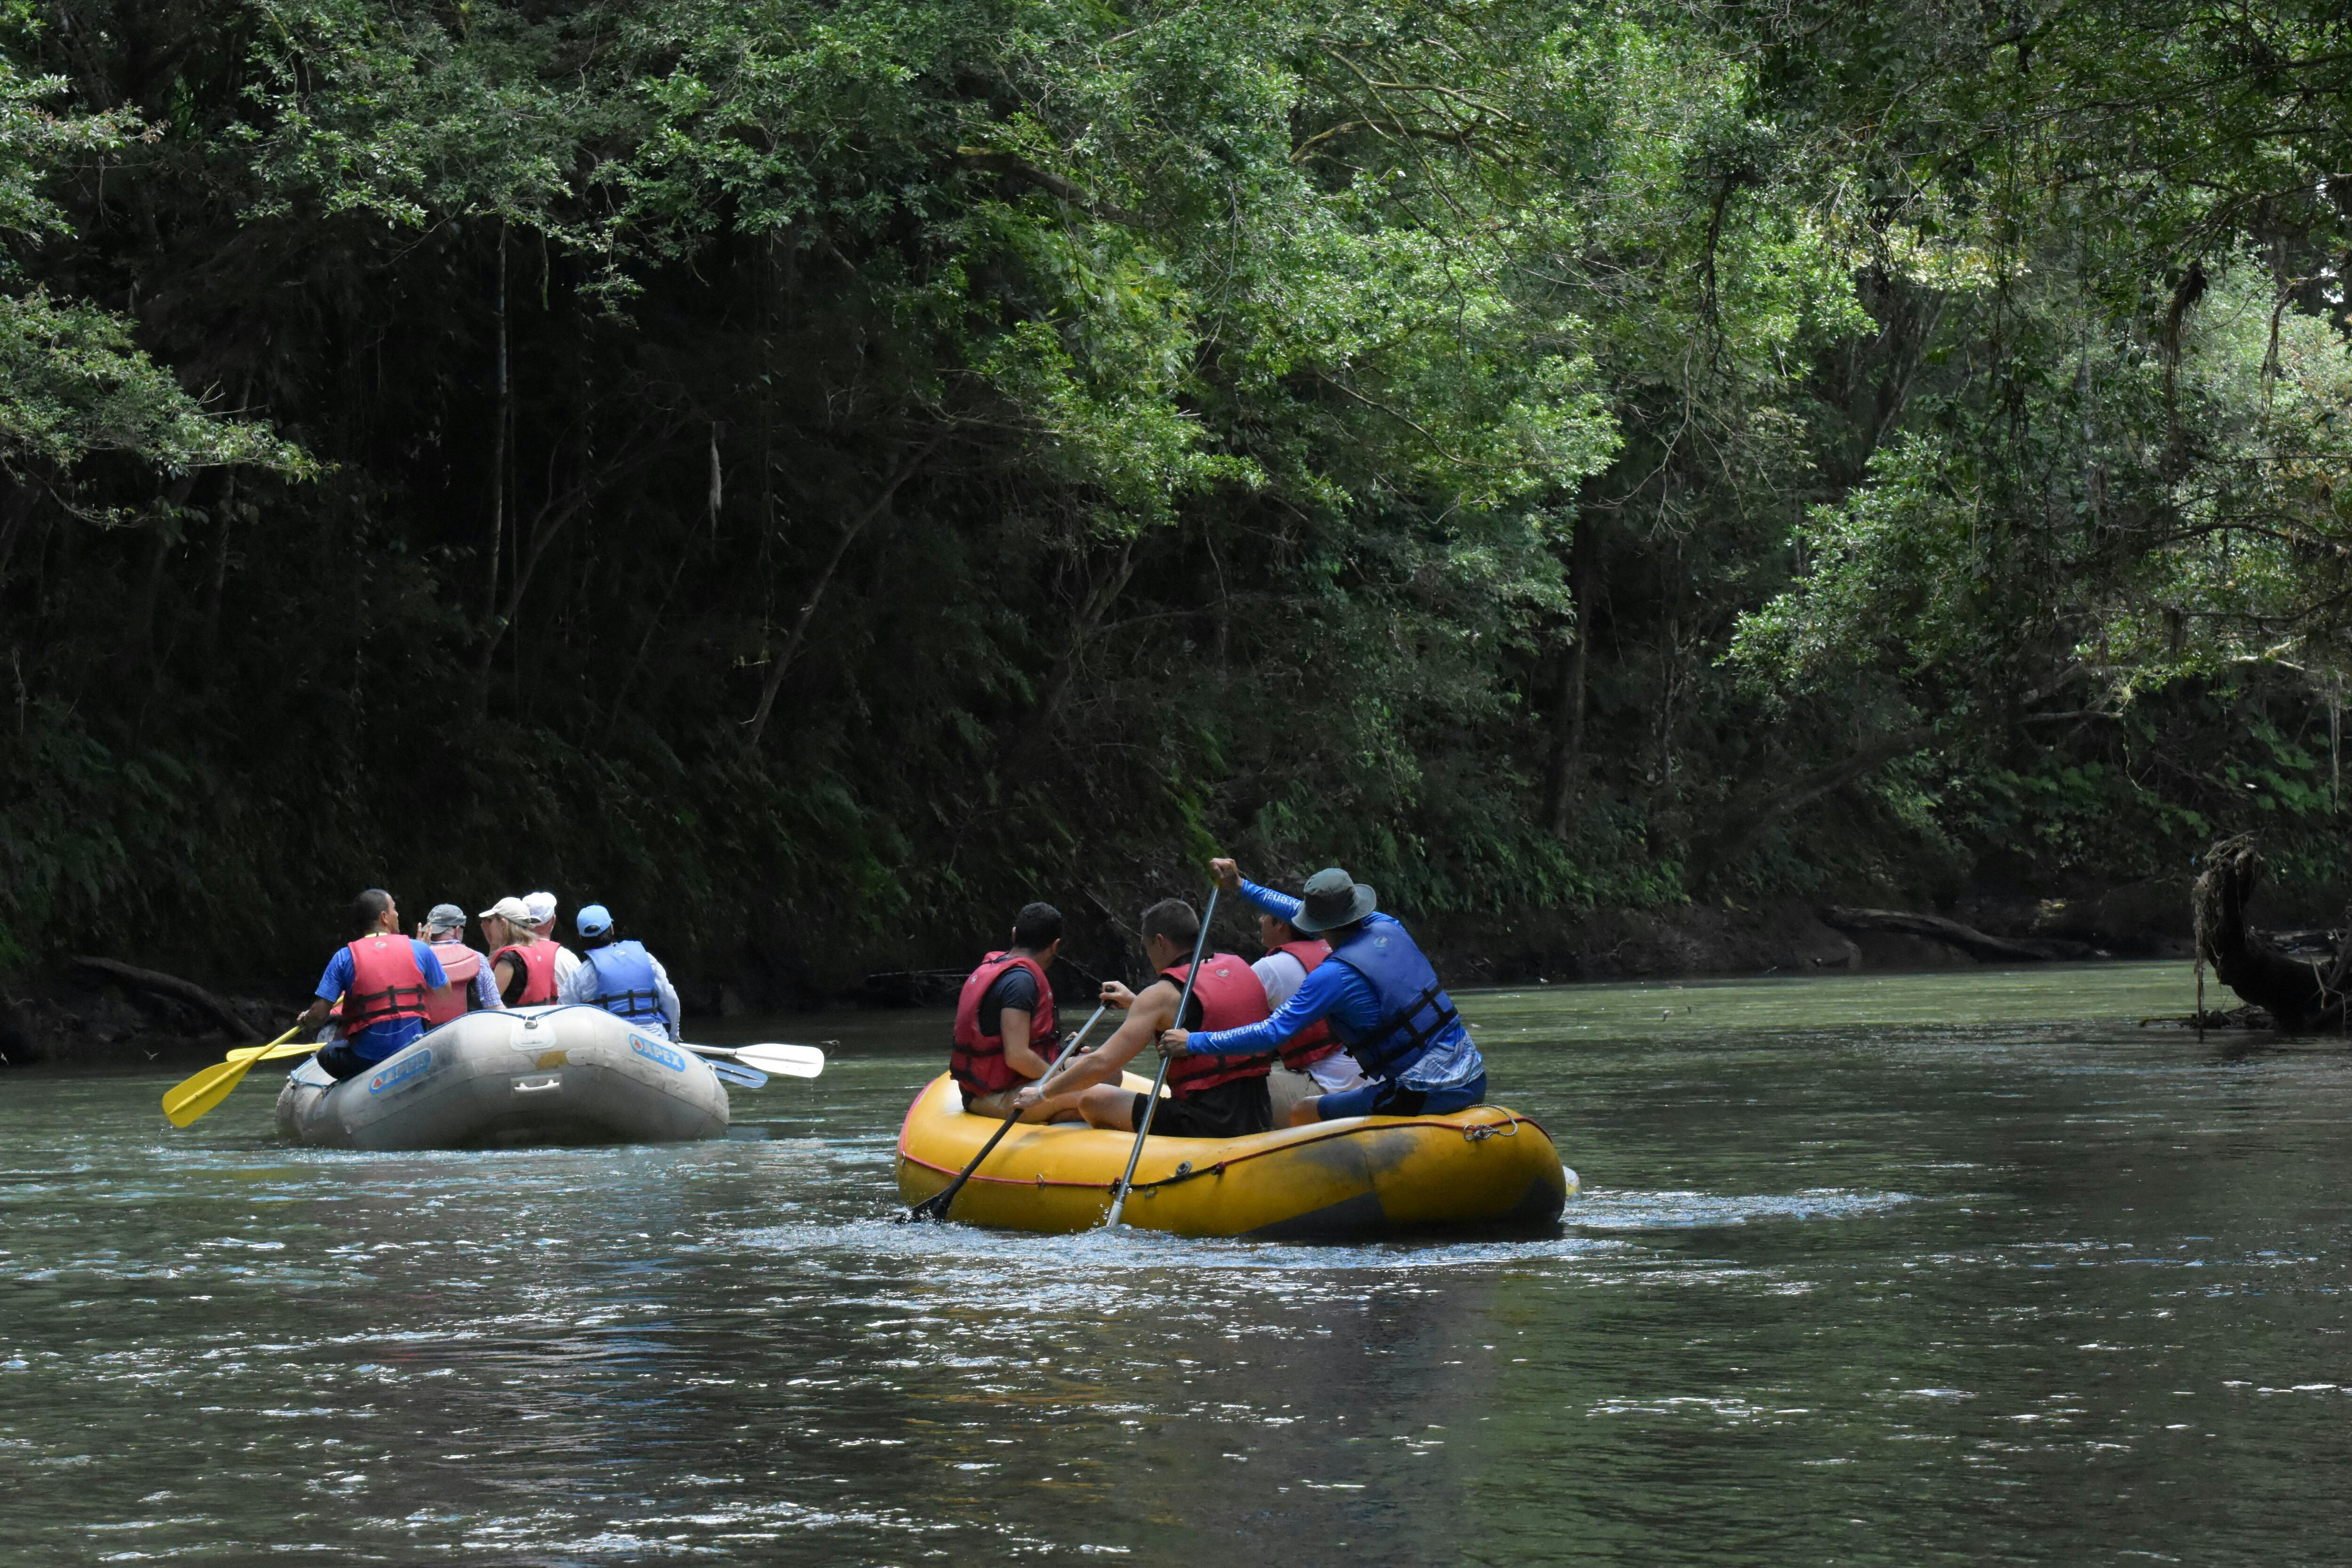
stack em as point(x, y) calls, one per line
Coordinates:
point(1485, 1169)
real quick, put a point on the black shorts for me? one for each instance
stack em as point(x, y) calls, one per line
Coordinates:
point(1229, 1110)
point(342, 1059)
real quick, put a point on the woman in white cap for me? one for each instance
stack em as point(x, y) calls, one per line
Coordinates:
point(524, 965)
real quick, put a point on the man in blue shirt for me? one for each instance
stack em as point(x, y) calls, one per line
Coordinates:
point(1380, 995)
point(382, 978)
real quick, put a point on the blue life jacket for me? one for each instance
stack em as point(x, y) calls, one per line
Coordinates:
point(625, 985)
point(1415, 1012)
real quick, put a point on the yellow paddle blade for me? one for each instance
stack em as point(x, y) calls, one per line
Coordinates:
point(193, 1096)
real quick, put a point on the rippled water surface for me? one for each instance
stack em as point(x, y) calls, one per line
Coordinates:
point(1961, 1267)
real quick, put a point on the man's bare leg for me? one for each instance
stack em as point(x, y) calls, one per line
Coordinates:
point(998, 1106)
point(1305, 1114)
point(1108, 1105)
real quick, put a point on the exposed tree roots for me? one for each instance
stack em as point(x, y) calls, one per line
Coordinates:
point(2299, 991)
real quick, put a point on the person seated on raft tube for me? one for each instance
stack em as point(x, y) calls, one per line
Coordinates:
point(1313, 1062)
point(470, 987)
point(542, 908)
point(1381, 997)
point(1005, 1016)
point(621, 977)
point(383, 978)
point(523, 966)
point(1212, 1097)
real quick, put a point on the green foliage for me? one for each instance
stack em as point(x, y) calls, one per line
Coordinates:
point(815, 475)
point(72, 383)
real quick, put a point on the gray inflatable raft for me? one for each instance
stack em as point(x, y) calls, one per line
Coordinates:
point(531, 1075)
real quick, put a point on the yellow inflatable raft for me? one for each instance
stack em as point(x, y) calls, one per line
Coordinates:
point(1485, 1169)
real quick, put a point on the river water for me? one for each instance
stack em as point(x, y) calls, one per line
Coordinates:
point(1960, 1268)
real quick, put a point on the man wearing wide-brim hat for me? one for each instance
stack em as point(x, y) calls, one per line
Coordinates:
point(1376, 992)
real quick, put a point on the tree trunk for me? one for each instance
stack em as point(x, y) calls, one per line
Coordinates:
point(170, 985)
point(2299, 993)
point(1742, 826)
point(1568, 701)
point(757, 725)
point(1101, 594)
point(1952, 933)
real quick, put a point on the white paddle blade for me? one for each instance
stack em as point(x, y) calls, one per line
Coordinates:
point(792, 1061)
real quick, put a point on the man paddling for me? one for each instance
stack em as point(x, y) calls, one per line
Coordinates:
point(621, 977)
point(383, 978)
point(1380, 995)
point(1313, 1062)
point(1005, 1016)
point(470, 988)
point(1211, 1096)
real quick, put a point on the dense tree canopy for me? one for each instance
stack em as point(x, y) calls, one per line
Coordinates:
point(813, 474)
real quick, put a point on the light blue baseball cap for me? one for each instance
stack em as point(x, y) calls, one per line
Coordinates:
point(594, 920)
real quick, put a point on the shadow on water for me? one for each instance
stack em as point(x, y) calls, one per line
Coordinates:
point(1960, 1268)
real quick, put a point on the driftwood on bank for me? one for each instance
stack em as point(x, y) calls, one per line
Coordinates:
point(1968, 939)
point(2300, 991)
point(170, 985)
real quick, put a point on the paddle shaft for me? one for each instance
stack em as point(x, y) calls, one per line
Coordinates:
point(937, 1204)
point(1143, 1128)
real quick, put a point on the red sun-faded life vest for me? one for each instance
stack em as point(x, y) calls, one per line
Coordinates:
point(461, 963)
point(1231, 998)
point(387, 983)
point(1313, 1042)
point(537, 961)
point(978, 1060)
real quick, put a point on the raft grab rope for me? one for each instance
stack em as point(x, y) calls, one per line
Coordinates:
point(1475, 1133)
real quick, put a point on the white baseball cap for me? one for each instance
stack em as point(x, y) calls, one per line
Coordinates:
point(509, 909)
point(541, 907)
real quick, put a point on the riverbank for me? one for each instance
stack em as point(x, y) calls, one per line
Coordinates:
point(76, 1017)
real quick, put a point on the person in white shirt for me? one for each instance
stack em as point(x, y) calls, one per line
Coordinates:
point(1315, 1063)
point(541, 907)
point(621, 977)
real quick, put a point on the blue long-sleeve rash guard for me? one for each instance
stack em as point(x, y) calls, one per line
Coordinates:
point(1334, 991)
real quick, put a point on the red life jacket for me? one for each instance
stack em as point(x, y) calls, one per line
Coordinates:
point(1230, 997)
point(387, 983)
point(1313, 1042)
point(978, 1060)
point(536, 961)
point(456, 999)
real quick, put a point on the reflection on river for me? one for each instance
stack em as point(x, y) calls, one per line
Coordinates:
point(1960, 1267)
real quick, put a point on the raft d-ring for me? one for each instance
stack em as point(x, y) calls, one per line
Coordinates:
point(1485, 1129)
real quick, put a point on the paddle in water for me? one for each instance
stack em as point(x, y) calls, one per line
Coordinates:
point(737, 1075)
point(194, 1096)
point(1143, 1128)
point(936, 1206)
point(792, 1061)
